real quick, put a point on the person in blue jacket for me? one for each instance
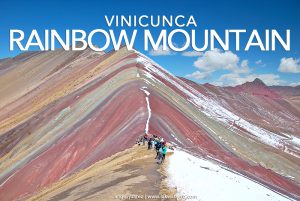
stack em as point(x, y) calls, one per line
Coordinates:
point(162, 153)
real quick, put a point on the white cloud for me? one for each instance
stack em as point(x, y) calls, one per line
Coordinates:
point(243, 69)
point(293, 84)
point(192, 54)
point(213, 60)
point(289, 65)
point(258, 62)
point(161, 52)
point(232, 79)
point(199, 75)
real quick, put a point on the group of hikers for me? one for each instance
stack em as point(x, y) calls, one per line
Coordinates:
point(154, 141)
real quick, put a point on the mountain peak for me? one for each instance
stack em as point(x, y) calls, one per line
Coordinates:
point(257, 87)
point(258, 81)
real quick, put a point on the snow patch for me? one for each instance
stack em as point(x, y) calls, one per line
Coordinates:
point(148, 107)
point(145, 91)
point(176, 138)
point(147, 82)
point(149, 115)
point(208, 181)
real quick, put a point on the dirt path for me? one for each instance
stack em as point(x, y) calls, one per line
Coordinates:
point(133, 172)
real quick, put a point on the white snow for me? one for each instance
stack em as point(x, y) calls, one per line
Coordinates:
point(147, 82)
point(149, 115)
point(151, 77)
point(176, 138)
point(148, 107)
point(295, 140)
point(206, 181)
point(145, 91)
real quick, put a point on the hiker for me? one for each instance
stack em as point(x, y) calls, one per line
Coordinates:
point(162, 153)
point(145, 138)
point(139, 140)
point(159, 155)
point(150, 143)
point(157, 147)
point(164, 150)
point(153, 142)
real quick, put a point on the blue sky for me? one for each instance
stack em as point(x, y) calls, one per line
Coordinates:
point(218, 15)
